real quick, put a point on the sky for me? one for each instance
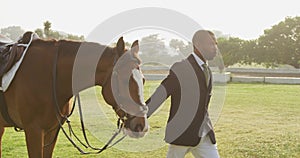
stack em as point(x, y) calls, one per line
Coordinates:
point(246, 19)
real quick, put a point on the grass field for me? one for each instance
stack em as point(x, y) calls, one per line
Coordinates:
point(257, 120)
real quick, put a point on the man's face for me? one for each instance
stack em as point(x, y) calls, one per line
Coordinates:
point(208, 47)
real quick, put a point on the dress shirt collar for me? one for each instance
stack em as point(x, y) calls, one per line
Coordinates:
point(198, 60)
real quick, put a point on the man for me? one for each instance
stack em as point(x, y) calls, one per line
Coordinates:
point(189, 84)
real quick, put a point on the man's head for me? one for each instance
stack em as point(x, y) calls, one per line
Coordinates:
point(205, 44)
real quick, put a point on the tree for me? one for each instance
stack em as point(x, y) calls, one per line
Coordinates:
point(278, 45)
point(48, 33)
point(181, 47)
point(152, 45)
point(176, 44)
point(13, 32)
point(47, 29)
point(75, 37)
point(231, 50)
point(40, 33)
point(154, 51)
point(281, 43)
point(251, 52)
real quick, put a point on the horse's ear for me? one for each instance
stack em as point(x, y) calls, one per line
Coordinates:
point(135, 47)
point(120, 45)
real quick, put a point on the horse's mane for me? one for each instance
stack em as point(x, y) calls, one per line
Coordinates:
point(73, 45)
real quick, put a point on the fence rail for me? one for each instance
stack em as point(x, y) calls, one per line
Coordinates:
point(277, 76)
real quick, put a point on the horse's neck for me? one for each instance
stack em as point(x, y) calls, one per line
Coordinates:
point(79, 65)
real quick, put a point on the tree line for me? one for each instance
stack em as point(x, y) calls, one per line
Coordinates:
point(15, 32)
point(278, 45)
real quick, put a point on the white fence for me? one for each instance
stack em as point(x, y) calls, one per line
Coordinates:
point(217, 77)
point(264, 71)
point(276, 80)
point(227, 77)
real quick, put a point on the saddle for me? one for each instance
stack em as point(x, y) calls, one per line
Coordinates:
point(11, 52)
point(9, 56)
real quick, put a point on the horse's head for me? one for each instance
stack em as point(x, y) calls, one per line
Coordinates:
point(123, 89)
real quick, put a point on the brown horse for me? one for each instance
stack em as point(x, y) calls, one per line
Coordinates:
point(30, 98)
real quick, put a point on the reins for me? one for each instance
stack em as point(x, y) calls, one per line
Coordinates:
point(61, 118)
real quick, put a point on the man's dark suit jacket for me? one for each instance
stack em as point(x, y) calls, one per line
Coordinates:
point(189, 102)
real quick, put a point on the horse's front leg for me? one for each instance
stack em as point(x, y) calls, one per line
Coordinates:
point(34, 141)
point(1, 134)
point(50, 141)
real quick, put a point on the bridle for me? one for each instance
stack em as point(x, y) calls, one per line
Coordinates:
point(125, 118)
point(61, 118)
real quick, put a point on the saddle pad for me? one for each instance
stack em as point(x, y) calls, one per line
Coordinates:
point(9, 76)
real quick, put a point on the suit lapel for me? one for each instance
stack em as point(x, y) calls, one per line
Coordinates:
point(198, 70)
point(210, 80)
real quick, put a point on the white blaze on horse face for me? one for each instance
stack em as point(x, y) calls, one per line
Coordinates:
point(138, 78)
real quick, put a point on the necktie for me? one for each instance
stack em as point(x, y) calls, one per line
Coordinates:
point(206, 73)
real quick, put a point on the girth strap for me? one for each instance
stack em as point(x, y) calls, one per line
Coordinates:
point(4, 112)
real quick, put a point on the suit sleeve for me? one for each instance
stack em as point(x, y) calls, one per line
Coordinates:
point(164, 90)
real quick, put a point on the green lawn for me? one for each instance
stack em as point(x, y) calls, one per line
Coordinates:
point(257, 120)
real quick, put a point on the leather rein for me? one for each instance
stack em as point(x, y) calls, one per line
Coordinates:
point(61, 118)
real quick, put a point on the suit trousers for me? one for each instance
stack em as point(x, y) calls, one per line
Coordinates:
point(205, 149)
